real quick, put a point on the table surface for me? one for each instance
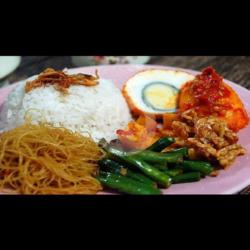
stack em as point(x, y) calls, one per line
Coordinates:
point(233, 68)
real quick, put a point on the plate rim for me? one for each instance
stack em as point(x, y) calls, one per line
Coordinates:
point(235, 189)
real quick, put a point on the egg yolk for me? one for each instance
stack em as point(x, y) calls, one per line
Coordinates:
point(161, 96)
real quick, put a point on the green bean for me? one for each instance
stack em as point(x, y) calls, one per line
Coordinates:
point(115, 167)
point(126, 185)
point(149, 171)
point(200, 166)
point(161, 144)
point(183, 151)
point(188, 177)
point(160, 158)
point(173, 172)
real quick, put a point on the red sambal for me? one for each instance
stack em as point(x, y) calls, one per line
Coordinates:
point(209, 95)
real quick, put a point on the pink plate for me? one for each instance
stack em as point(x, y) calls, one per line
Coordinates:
point(229, 181)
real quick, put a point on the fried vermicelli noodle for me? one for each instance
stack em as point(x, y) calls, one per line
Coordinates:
point(41, 159)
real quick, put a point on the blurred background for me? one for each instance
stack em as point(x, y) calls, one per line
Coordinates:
point(15, 68)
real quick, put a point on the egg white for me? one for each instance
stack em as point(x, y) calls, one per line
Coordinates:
point(135, 85)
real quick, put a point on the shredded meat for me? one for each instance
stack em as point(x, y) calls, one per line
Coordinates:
point(228, 154)
point(204, 148)
point(190, 117)
point(182, 129)
point(207, 137)
point(61, 80)
point(214, 131)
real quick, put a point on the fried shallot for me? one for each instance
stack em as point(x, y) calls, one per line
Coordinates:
point(61, 80)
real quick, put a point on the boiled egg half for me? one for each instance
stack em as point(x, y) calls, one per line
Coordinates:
point(155, 91)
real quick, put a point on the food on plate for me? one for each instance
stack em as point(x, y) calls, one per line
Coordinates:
point(81, 103)
point(207, 137)
point(60, 80)
point(126, 185)
point(41, 159)
point(202, 129)
point(155, 92)
point(139, 134)
point(186, 144)
point(79, 134)
point(208, 95)
point(188, 177)
point(202, 167)
point(123, 170)
point(117, 168)
point(168, 120)
point(161, 144)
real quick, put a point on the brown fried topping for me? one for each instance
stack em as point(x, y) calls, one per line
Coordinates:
point(207, 137)
point(61, 80)
point(204, 148)
point(189, 116)
point(182, 129)
point(228, 154)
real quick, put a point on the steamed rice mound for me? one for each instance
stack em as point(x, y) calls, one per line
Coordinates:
point(97, 111)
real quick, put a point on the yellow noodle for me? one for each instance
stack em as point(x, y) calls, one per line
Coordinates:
point(41, 159)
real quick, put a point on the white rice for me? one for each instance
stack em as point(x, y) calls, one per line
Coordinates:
point(97, 111)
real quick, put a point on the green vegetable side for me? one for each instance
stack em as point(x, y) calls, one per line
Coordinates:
point(145, 172)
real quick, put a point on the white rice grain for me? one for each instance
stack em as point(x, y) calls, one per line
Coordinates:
point(97, 111)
